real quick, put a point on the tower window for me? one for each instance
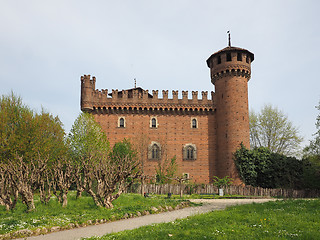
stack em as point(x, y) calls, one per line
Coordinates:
point(153, 122)
point(247, 59)
point(154, 151)
point(219, 59)
point(239, 57)
point(189, 152)
point(121, 122)
point(194, 123)
point(228, 57)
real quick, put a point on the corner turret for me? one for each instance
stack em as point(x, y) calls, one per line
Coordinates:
point(87, 90)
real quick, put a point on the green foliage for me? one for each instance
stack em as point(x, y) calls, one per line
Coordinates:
point(293, 219)
point(123, 149)
point(78, 211)
point(26, 133)
point(262, 168)
point(311, 156)
point(222, 182)
point(86, 138)
point(166, 170)
point(272, 129)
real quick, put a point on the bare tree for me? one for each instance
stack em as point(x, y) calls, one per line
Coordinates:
point(63, 175)
point(8, 194)
point(272, 129)
point(113, 175)
point(25, 178)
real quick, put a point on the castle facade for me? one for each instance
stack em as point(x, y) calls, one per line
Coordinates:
point(202, 133)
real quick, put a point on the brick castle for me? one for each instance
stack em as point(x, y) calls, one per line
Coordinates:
point(202, 133)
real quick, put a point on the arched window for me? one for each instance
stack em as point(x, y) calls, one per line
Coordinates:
point(153, 123)
point(194, 123)
point(154, 151)
point(121, 122)
point(189, 152)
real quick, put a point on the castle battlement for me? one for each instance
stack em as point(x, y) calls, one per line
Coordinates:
point(92, 98)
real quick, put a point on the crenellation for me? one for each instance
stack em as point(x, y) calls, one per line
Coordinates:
point(165, 94)
point(194, 96)
point(184, 95)
point(135, 94)
point(204, 95)
point(175, 95)
point(155, 94)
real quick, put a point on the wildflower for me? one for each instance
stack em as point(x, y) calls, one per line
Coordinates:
point(170, 235)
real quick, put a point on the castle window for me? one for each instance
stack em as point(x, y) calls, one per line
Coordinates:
point(121, 122)
point(189, 152)
point(185, 175)
point(228, 57)
point(154, 151)
point(194, 123)
point(239, 57)
point(219, 59)
point(153, 122)
point(247, 59)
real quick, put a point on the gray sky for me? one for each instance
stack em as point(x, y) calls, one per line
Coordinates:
point(45, 46)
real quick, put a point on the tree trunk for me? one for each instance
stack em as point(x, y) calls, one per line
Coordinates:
point(107, 203)
point(79, 193)
point(142, 186)
point(64, 199)
point(94, 196)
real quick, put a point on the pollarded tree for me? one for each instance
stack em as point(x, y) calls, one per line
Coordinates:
point(271, 128)
point(88, 144)
point(113, 173)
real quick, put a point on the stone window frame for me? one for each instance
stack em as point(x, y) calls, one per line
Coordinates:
point(156, 119)
point(191, 122)
point(187, 155)
point(186, 175)
point(151, 149)
point(119, 122)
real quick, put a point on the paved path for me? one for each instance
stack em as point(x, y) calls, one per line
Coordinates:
point(127, 224)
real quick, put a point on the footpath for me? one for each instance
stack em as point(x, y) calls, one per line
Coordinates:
point(131, 223)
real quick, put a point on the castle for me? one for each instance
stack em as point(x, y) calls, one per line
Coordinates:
point(202, 133)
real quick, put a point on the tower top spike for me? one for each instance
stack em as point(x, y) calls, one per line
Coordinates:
point(229, 39)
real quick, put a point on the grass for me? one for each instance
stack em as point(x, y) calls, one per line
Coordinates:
point(77, 212)
point(288, 219)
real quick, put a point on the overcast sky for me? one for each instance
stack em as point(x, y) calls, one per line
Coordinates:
point(45, 47)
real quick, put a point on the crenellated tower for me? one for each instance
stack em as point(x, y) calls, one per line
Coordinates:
point(87, 92)
point(230, 71)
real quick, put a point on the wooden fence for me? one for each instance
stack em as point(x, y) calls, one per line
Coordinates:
point(232, 190)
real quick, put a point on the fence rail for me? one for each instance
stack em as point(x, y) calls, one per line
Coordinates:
point(232, 190)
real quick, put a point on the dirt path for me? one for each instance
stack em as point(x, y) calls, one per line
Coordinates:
point(127, 224)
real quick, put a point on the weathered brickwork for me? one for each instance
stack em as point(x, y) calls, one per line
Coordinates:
point(212, 128)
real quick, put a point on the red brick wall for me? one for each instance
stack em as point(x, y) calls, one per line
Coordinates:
point(173, 132)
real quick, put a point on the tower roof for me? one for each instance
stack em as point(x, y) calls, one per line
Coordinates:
point(231, 49)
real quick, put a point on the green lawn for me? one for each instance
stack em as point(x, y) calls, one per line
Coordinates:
point(77, 212)
point(288, 219)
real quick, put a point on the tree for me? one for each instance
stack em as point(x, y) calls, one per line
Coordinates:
point(272, 129)
point(29, 144)
point(260, 167)
point(104, 174)
point(87, 143)
point(26, 133)
point(311, 157)
point(112, 174)
point(166, 170)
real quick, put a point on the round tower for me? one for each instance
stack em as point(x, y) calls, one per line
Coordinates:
point(230, 71)
point(87, 89)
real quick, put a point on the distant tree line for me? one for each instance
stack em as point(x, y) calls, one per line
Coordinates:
point(36, 156)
